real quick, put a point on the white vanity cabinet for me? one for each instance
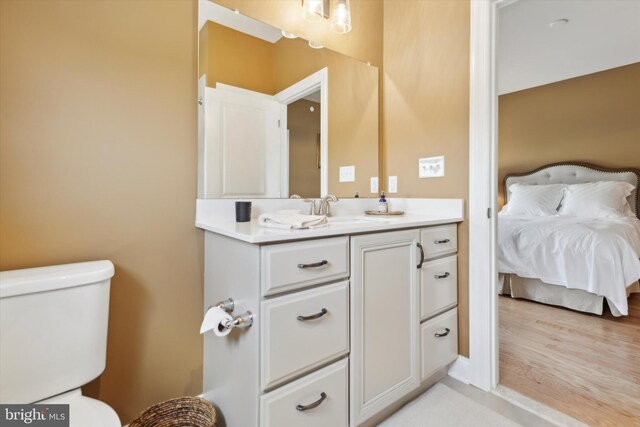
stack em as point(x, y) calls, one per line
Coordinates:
point(290, 368)
point(438, 298)
point(345, 327)
point(385, 340)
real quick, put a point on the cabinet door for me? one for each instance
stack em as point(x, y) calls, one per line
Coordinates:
point(385, 340)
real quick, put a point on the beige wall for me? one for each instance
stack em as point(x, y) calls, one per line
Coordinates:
point(304, 128)
point(251, 63)
point(237, 59)
point(98, 161)
point(426, 108)
point(593, 118)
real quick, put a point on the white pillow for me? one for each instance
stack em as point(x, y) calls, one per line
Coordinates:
point(604, 199)
point(628, 211)
point(534, 200)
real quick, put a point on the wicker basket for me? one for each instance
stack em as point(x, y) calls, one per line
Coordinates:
point(179, 412)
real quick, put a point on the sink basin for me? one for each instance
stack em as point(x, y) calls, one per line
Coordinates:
point(354, 220)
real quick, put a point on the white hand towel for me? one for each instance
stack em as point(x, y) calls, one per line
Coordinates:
point(291, 220)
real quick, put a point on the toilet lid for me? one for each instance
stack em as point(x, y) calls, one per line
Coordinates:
point(85, 411)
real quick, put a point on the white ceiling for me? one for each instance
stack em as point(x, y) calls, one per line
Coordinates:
point(601, 34)
point(210, 11)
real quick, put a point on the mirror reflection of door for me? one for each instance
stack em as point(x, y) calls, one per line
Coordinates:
point(258, 145)
point(303, 120)
point(243, 156)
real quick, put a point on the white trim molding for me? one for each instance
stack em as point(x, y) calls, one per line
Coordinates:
point(483, 187)
point(210, 11)
point(460, 369)
point(306, 86)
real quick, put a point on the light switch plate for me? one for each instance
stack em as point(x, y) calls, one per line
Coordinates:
point(374, 185)
point(431, 167)
point(347, 173)
point(393, 184)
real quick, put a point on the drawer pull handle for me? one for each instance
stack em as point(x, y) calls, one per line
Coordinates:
point(421, 255)
point(443, 335)
point(442, 276)
point(315, 404)
point(313, 316)
point(439, 242)
point(314, 265)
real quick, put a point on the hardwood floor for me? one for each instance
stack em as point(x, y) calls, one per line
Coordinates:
point(584, 365)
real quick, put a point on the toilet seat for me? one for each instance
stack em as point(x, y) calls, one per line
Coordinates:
point(85, 411)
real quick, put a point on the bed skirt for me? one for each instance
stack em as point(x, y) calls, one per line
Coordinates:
point(537, 290)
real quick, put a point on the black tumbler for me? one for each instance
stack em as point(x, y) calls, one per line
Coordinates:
point(243, 211)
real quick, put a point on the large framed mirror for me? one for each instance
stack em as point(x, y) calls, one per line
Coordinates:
point(279, 116)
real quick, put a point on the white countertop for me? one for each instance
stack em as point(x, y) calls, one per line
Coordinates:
point(218, 216)
point(251, 232)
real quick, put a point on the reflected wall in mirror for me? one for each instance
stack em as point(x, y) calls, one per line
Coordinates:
point(278, 118)
point(303, 121)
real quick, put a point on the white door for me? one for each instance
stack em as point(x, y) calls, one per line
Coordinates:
point(385, 340)
point(242, 144)
point(202, 84)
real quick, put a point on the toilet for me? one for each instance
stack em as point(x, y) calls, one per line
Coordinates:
point(53, 337)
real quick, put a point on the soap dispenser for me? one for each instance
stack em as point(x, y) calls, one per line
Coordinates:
point(383, 207)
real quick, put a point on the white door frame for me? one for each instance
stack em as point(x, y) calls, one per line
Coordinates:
point(481, 369)
point(306, 86)
point(202, 84)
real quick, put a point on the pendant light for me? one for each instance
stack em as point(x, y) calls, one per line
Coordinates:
point(314, 10)
point(341, 17)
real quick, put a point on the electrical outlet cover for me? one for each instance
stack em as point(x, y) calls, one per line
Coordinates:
point(374, 185)
point(431, 167)
point(393, 184)
point(347, 173)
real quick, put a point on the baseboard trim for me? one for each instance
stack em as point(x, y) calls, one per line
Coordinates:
point(460, 369)
point(539, 409)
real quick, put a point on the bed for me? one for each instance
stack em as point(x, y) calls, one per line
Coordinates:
point(572, 262)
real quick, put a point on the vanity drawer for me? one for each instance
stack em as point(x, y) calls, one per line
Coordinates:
point(294, 265)
point(440, 240)
point(439, 342)
point(302, 331)
point(327, 388)
point(439, 285)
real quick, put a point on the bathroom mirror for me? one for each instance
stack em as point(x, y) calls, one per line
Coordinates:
point(278, 118)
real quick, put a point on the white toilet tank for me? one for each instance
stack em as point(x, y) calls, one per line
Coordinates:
point(53, 329)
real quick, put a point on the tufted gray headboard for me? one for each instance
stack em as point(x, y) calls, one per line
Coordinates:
point(577, 173)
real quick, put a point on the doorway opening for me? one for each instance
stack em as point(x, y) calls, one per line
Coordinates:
point(573, 357)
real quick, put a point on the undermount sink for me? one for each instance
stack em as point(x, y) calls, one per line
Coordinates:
point(353, 220)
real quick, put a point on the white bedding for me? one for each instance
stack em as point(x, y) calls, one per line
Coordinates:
point(600, 256)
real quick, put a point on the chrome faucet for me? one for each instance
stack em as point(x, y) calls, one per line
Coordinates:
point(325, 206)
point(312, 206)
